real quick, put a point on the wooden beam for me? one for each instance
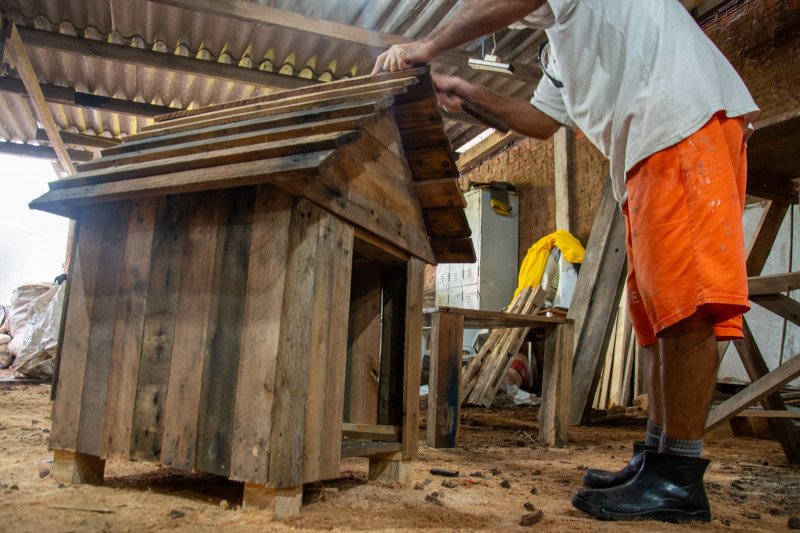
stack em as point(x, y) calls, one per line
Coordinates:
point(764, 386)
point(81, 139)
point(562, 155)
point(484, 149)
point(42, 152)
point(372, 432)
point(342, 33)
point(20, 57)
point(781, 305)
point(55, 94)
point(765, 235)
point(774, 284)
point(159, 60)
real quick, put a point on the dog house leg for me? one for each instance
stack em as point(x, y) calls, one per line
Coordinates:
point(278, 502)
point(77, 468)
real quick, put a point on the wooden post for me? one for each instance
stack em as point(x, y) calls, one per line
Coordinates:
point(562, 156)
point(278, 503)
point(390, 468)
point(556, 385)
point(444, 408)
point(77, 468)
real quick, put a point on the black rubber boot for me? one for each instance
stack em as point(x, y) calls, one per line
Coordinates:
point(605, 479)
point(667, 487)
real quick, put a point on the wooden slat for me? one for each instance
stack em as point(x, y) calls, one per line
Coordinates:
point(364, 345)
point(192, 326)
point(223, 348)
point(101, 336)
point(261, 326)
point(159, 328)
point(367, 448)
point(72, 370)
point(412, 361)
point(240, 174)
point(227, 141)
point(444, 406)
point(390, 383)
point(320, 98)
point(764, 237)
point(286, 453)
point(372, 432)
point(485, 148)
point(337, 358)
point(773, 284)
point(431, 163)
point(556, 386)
point(128, 330)
point(320, 114)
point(446, 222)
point(440, 193)
point(781, 305)
point(453, 250)
point(210, 158)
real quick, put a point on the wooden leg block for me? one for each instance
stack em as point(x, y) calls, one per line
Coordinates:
point(389, 471)
point(277, 502)
point(556, 386)
point(77, 468)
point(444, 407)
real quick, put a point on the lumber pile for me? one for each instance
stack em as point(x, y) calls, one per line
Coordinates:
point(484, 375)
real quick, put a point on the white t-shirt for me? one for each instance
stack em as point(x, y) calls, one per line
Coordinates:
point(638, 76)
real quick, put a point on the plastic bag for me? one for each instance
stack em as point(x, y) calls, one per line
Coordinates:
point(21, 300)
point(36, 358)
point(530, 273)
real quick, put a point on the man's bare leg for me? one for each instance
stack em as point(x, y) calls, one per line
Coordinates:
point(655, 409)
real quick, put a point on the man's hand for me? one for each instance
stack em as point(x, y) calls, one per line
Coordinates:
point(452, 92)
point(403, 57)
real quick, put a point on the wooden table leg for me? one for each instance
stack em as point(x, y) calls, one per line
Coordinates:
point(77, 468)
point(556, 385)
point(444, 408)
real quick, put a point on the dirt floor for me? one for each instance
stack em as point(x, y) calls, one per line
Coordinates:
point(502, 469)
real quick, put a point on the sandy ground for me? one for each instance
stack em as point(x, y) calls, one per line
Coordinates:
point(750, 485)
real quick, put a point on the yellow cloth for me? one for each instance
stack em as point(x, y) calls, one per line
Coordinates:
point(532, 269)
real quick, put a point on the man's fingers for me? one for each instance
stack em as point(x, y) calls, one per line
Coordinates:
point(379, 63)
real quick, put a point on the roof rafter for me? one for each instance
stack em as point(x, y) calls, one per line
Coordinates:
point(159, 60)
point(265, 15)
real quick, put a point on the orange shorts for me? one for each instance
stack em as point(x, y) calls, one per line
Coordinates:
point(685, 241)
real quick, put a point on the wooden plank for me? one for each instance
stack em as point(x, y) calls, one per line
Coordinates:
point(562, 159)
point(158, 60)
point(412, 360)
point(766, 232)
point(781, 305)
point(286, 454)
point(556, 386)
point(367, 247)
point(337, 356)
point(444, 405)
point(80, 139)
point(364, 345)
point(159, 328)
point(321, 98)
point(598, 320)
point(261, 326)
point(192, 326)
point(450, 222)
point(319, 114)
point(167, 129)
point(225, 140)
point(367, 448)
point(311, 89)
point(431, 163)
point(486, 148)
point(101, 335)
point(240, 174)
point(390, 382)
point(128, 330)
point(756, 369)
point(440, 193)
point(223, 347)
point(768, 384)
point(72, 370)
point(774, 284)
point(319, 349)
point(763, 413)
point(453, 250)
point(16, 51)
point(211, 158)
point(480, 318)
point(372, 432)
point(42, 152)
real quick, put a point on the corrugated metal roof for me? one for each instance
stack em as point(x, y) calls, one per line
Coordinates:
point(160, 27)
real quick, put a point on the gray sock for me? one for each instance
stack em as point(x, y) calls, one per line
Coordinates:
point(653, 434)
point(686, 448)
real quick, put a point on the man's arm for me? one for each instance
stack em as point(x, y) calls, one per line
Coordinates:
point(478, 18)
point(520, 115)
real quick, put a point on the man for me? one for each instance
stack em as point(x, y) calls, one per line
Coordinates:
point(651, 91)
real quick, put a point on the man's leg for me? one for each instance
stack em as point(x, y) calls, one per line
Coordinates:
point(655, 409)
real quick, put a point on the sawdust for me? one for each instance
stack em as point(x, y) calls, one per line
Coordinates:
point(750, 485)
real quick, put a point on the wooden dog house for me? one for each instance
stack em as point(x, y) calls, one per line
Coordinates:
point(245, 290)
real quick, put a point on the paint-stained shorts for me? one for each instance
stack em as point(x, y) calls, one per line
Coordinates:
point(685, 241)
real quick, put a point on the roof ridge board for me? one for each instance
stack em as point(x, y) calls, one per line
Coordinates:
point(258, 136)
point(328, 112)
point(229, 119)
point(206, 159)
point(350, 92)
point(321, 87)
point(240, 174)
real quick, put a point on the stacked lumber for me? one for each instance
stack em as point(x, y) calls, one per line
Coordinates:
point(484, 375)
